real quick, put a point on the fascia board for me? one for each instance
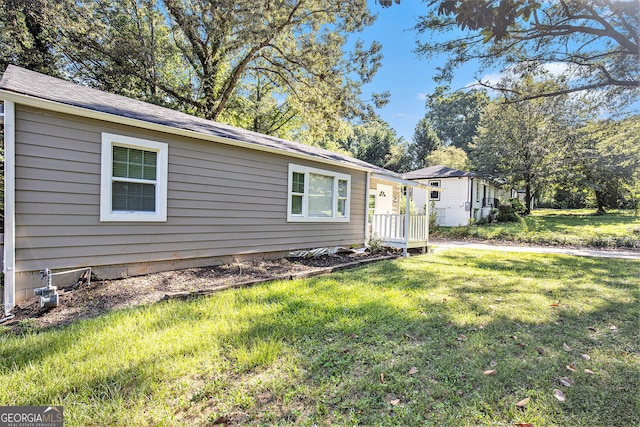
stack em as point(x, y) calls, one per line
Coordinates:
point(408, 183)
point(45, 104)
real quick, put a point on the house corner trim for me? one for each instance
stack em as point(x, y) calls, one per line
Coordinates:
point(9, 267)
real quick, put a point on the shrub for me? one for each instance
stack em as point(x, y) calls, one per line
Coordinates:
point(518, 206)
point(375, 244)
point(507, 213)
point(433, 215)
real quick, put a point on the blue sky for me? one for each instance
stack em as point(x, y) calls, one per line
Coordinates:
point(407, 77)
point(402, 73)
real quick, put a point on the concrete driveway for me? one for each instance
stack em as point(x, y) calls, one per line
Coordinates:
point(442, 245)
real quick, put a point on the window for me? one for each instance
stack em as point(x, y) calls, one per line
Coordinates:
point(372, 207)
point(317, 195)
point(342, 197)
point(297, 193)
point(134, 179)
point(435, 195)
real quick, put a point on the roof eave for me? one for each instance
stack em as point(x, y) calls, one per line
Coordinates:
point(403, 181)
point(32, 101)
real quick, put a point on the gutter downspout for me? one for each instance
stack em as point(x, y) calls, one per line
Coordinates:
point(9, 267)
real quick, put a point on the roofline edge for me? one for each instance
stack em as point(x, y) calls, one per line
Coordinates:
point(32, 101)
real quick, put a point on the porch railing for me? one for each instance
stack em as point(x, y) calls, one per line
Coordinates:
point(490, 203)
point(391, 228)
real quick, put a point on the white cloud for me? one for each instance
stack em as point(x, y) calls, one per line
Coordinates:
point(491, 79)
point(553, 68)
point(421, 96)
point(406, 116)
point(556, 68)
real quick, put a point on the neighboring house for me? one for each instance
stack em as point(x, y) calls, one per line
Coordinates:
point(463, 196)
point(98, 180)
point(521, 195)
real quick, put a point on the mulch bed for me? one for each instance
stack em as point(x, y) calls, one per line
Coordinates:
point(100, 296)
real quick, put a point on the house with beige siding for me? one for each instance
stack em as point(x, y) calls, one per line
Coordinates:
point(99, 180)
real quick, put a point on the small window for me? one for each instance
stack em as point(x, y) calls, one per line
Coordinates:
point(297, 193)
point(371, 207)
point(316, 195)
point(134, 179)
point(342, 198)
point(435, 195)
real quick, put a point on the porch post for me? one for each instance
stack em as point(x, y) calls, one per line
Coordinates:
point(427, 217)
point(407, 215)
point(366, 210)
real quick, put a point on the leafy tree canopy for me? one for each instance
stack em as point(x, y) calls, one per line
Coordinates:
point(455, 115)
point(605, 160)
point(376, 143)
point(449, 156)
point(523, 143)
point(595, 42)
point(285, 67)
point(425, 141)
point(25, 39)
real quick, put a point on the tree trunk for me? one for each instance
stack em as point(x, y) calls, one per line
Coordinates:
point(527, 198)
point(600, 202)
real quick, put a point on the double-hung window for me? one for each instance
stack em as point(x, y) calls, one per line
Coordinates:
point(134, 179)
point(317, 195)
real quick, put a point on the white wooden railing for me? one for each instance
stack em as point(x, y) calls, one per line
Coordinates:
point(391, 228)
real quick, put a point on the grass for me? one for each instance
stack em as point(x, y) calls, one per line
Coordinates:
point(339, 349)
point(578, 227)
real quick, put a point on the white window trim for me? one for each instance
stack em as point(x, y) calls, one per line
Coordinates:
point(106, 213)
point(305, 198)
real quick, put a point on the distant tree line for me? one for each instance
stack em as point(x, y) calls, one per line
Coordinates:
point(562, 151)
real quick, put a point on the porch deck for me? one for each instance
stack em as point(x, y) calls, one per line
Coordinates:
point(391, 229)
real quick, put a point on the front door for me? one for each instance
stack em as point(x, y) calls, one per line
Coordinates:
point(384, 199)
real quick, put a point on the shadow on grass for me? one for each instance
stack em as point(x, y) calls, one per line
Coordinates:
point(344, 345)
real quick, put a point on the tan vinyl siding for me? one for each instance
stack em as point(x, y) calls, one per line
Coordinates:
point(222, 200)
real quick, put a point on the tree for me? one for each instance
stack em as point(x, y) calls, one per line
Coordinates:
point(387, 3)
point(124, 47)
point(522, 142)
point(425, 141)
point(24, 37)
point(450, 156)
point(376, 143)
point(399, 161)
point(257, 107)
point(292, 51)
point(455, 116)
point(605, 159)
point(596, 41)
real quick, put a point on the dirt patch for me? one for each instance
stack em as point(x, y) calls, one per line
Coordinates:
point(101, 296)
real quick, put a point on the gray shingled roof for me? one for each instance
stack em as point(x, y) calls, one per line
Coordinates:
point(438, 171)
point(26, 82)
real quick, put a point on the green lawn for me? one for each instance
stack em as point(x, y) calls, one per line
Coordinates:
point(341, 349)
point(577, 227)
